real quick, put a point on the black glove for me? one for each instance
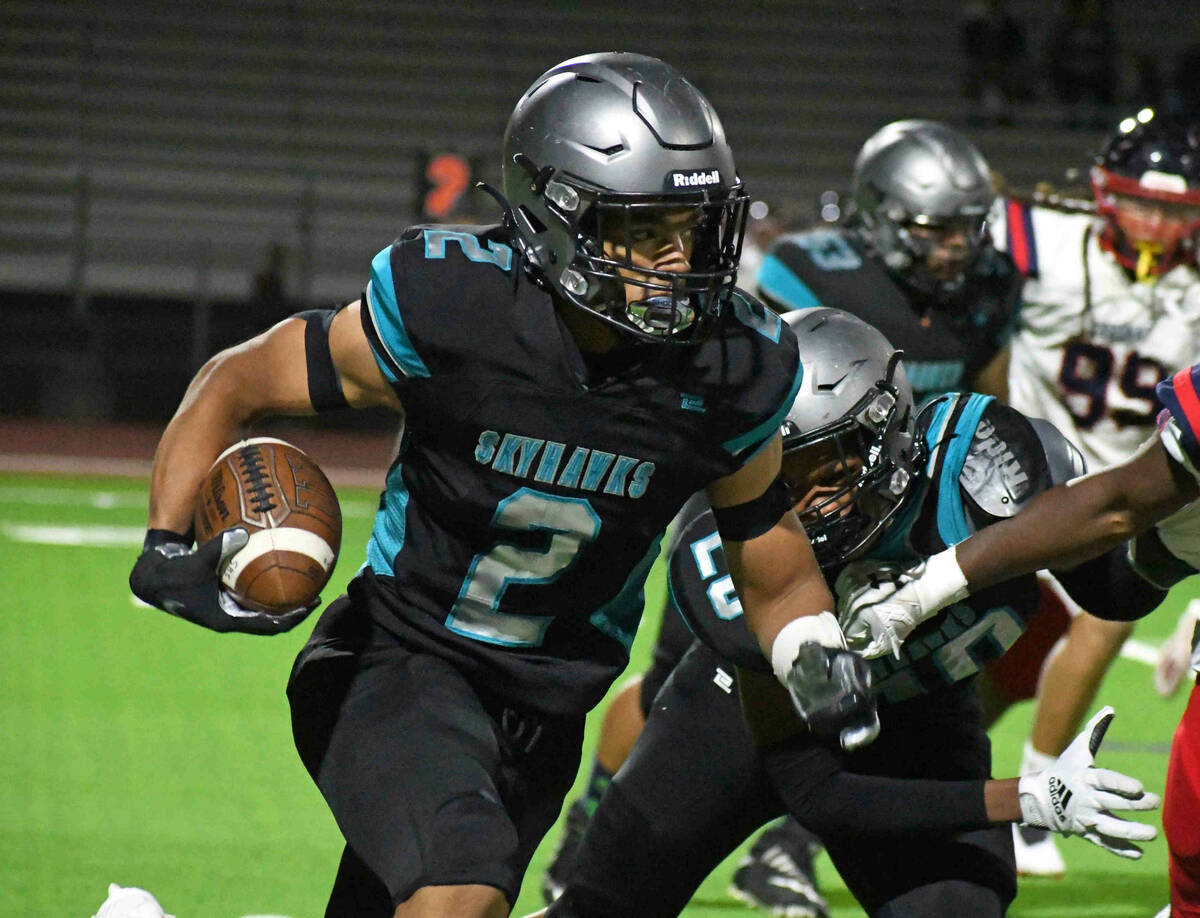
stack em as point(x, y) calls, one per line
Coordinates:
point(171, 576)
point(831, 690)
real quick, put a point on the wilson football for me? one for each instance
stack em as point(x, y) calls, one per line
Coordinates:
point(286, 504)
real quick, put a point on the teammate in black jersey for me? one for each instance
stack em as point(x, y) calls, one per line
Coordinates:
point(914, 260)
point(910, 821)
point(567, 379)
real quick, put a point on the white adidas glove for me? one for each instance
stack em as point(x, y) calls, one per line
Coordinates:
point(130, 902)
point(1073, 797)
point(879, 605)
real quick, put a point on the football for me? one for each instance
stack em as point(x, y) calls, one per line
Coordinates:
point(286, 504)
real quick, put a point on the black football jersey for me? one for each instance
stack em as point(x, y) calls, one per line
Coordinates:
point(974, 444)
point(529, 495)
point(944, 347)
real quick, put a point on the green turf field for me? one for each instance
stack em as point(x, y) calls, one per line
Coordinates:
point(143, 750)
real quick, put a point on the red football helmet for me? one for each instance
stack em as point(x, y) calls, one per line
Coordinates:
point(1147, 186)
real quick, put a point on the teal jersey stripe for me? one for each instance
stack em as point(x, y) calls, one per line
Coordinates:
point(762, 433)
point(387, 536)
point(951, 517)
point(619, 617)
point(385, 316)
point(777, 281)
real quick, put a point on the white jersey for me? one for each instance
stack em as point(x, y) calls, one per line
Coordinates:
point(1091, 343)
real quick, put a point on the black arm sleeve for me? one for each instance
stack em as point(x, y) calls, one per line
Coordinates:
point(743, 522)
point(843, 807)
point(324, 385)
point(1108, 587)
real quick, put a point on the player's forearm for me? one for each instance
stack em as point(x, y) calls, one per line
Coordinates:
point(843, 807)
point(206, 421)
point(1002, 800)
point(768, 614)
point(1060, 528)
point(1072, 523)
point(234, 388)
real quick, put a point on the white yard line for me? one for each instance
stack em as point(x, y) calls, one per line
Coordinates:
point(1141, 652)
point(90, 536)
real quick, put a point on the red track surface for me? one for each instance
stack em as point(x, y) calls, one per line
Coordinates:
point(87, 447)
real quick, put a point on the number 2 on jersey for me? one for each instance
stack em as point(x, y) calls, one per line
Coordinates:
point(571, 522)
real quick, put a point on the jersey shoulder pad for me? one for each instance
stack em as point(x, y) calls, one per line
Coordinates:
point(1019, 238)
point(750, 373)
point(1179, 424)
point(1010, 461)
point(700, 589)
point(425, 286)
point(797, 263)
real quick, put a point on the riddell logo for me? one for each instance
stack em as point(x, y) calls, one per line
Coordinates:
point(693, 179)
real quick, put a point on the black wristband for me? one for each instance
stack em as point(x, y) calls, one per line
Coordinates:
point(156, 537)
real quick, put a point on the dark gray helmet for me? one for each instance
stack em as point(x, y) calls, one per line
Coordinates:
point(921, 173)
point(850, 447)
point(602, 148)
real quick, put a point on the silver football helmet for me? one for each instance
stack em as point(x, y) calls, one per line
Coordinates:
point(921, 195)
point(600, 153)
point(851, 454)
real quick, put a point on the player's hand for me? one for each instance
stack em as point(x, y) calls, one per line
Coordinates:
point(831, 691)
point(1073, 797)
point(171, 576)
point(877, 608)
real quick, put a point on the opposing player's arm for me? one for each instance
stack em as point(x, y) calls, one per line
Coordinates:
point(1060, 528)
point(267, 375)
point(1079, 520)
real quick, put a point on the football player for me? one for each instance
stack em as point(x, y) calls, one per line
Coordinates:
point(1111, 307)
point(1152, 496)
point(913, 259)
point(567, 378)
point(911, 822)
